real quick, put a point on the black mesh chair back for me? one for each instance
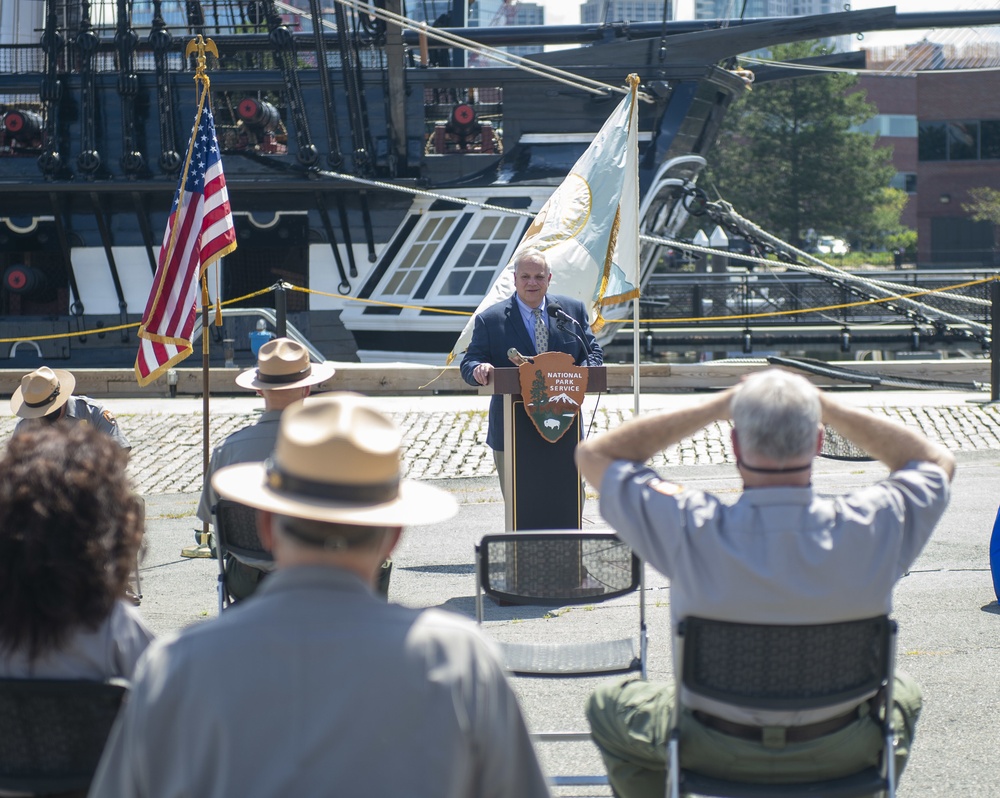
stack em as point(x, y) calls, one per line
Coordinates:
point(556, 567)
point(837, 447)
point(559, 568)
point(562, 567)
point(236, 525)
point(787, 667)
point(53, 731)
point(236, 534)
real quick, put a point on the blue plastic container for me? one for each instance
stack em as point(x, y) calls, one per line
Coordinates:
point(995, 556)
point(258, 338)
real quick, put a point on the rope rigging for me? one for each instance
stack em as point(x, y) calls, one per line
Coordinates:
point(724, 214)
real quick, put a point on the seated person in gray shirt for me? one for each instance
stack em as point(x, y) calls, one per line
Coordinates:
point(69, 530)
point(47, 394)
point(781, 554)
point(320, 687)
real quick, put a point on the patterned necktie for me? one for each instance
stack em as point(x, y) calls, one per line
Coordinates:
point(541, 332)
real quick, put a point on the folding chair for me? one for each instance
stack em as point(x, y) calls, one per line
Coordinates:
point(765, 667)
point(235, 531)
point(53, 731)
point(563, 567)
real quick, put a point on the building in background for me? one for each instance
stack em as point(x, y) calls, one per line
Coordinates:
point(494, 13)
point(598, 11)
point(720, 9)
point(427, 10)
point(944, 127)
point(734, 9)
point(527, 14)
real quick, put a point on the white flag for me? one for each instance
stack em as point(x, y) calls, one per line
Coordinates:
point(589, 227)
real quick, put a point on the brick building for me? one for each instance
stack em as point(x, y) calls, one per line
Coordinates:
point(944, 127)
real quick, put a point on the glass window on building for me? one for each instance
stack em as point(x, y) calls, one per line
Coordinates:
point(963, 141)
point(901, 126)
point(989, 139)
point(904, 181)
point(895, 125)
point(932, 141)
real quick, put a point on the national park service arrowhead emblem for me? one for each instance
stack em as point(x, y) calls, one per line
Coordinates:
point(553, 389)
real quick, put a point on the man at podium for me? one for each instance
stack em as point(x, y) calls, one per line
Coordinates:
point(528, 323)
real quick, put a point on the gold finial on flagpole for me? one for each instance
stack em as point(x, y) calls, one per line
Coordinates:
point(201, 45)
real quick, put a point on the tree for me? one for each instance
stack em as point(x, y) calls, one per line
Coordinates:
point(985, 205)
point(789, 156)
point(882, 225)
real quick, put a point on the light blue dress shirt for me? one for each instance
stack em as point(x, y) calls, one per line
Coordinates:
point(528, 317)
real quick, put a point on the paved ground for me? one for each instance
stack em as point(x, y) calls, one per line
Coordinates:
point(949, 619)
point(445, 436)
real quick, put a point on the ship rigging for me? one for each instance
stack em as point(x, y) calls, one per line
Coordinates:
point(365, 160)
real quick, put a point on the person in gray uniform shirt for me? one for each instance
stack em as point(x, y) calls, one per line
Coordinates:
point(318, 687)
point(47, 394)
point(781, 554)
point(283, 375)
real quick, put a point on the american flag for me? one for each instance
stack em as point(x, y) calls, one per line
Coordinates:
point(199, 232)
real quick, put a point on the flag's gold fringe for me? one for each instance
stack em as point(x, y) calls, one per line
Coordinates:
point(602, 301)
point(160, 370)
point(204, 282)
point(617, 299)
point(156, 338)
point(609, 255)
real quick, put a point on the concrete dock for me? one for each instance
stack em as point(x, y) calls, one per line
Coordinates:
point(948, 614)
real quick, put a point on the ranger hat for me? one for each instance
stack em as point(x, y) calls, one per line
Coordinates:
point(41, 392)
point(283, 364)
point(336, 459)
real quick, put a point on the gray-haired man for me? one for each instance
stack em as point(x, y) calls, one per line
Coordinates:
point(780, 554)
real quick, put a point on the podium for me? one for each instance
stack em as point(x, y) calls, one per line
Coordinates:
point(542, 485)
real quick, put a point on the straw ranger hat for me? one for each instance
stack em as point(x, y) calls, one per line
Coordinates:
point(283, 364)
point(41, 392)
point(336, 459)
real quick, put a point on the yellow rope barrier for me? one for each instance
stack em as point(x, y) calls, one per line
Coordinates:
point(97, 330)
point(422, 308)
point(800, 311)
point(428, 309)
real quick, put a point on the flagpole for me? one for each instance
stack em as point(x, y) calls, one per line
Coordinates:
point(633, 82)
point(200, 231)
point(205, 459)
point(203, 549)
point(635, 356)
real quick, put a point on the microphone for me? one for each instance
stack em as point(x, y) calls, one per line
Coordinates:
point(517, 358)
point(554, 309)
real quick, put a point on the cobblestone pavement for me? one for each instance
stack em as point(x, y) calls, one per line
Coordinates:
point(445, 437)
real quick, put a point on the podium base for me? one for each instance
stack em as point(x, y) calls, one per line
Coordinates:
point(546, 492)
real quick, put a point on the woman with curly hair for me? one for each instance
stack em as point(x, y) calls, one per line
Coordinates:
point(70, 527)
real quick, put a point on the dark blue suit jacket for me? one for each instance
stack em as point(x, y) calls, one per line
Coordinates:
point(500, 327)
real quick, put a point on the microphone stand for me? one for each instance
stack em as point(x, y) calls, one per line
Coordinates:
point(561, 325)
